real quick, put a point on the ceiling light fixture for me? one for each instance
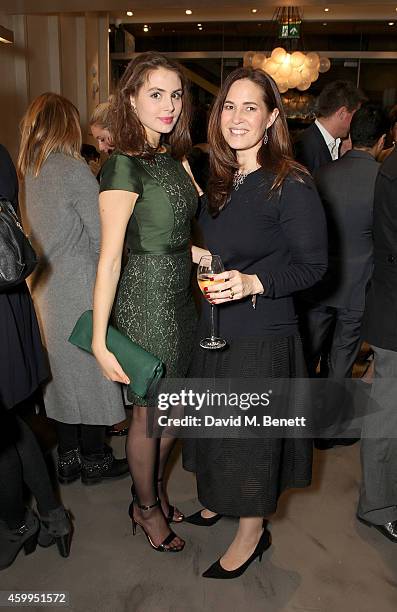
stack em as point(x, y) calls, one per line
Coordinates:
point(199, 25)
point(254, 10)
point(145, 28)
point(289, 67)
point(391, 23)
point(130, 14)
point(200, 28)
point(189, 12)
point(326, 10)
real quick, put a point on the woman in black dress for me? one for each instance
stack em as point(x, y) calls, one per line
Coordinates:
point(23, 367)
point(265, 219)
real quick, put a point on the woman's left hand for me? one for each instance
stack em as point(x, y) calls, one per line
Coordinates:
point(231, 286)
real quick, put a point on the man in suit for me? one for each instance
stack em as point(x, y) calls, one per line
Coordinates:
point(378, 497)
point(335, 306)
point(322, 143)
point(336, 105)
point(346, 188)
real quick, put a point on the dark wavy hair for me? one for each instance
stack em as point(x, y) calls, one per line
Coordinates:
point(275, 156)
point(128, 133)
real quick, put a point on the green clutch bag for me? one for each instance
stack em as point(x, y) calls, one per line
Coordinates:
point(143, 369)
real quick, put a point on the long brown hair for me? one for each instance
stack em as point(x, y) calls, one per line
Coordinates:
point(128, 133)
point(275, 156)
point(51, 124)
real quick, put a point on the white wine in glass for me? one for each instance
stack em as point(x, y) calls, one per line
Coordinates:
point(208, 266)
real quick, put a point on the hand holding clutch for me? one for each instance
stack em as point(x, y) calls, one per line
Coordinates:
point(111, 369)
point(122, 357)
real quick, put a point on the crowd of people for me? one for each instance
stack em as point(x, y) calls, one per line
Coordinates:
point(306, 235)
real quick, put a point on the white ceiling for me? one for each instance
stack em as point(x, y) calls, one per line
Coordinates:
point(203, 10)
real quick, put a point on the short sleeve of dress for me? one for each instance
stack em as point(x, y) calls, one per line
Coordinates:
point(121, 172)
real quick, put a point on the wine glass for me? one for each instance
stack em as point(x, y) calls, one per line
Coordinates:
point(208, 266)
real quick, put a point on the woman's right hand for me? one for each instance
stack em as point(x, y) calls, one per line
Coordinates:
point(111, 369)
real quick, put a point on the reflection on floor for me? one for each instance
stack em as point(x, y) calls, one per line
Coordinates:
point(322, 559)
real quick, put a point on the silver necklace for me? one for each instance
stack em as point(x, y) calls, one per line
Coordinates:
point(239, 178)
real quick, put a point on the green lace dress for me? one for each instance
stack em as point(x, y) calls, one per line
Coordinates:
point(154, 305)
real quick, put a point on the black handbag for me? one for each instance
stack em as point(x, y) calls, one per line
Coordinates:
point(17, 256)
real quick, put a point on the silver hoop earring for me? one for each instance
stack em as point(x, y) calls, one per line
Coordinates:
point(265, 138)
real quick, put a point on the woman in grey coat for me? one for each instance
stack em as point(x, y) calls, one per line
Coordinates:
point(62, 212)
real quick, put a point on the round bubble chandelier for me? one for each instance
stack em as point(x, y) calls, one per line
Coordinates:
point(290, 69)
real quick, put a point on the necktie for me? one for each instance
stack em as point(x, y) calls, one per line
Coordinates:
point(333, 149)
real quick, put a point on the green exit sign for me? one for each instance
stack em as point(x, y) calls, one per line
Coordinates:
point(289, 30)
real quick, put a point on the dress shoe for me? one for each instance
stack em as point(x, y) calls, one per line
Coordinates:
point(217, 571)
point(389, 530)
point(201, 521)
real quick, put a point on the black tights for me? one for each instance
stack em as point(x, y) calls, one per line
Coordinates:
point(147, 457)
point(90, 438)
point(21, 460)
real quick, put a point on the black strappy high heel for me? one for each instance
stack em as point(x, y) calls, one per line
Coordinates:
point(163, 547)
point(171, 510)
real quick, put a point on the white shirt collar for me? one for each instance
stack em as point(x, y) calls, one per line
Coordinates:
point(331, 142)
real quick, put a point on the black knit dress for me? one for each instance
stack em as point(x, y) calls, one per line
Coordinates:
point(282, 239)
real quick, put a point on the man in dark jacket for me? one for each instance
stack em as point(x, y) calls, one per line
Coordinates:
point(319, 144)
point(346, 188)
point(378, 497)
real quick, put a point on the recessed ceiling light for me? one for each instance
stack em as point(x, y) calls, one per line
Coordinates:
point(326, 10)
point(200, 28)
point(189, 12)
point(391, 23)
point(199, 25)
point(254, 10)
point(130, 13)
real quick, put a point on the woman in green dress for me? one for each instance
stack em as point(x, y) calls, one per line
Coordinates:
point(148, 200)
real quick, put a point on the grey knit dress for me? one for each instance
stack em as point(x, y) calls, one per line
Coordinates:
point(62, 214)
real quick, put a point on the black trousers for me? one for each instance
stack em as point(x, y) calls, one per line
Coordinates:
point(342, 326)
point(89, 438)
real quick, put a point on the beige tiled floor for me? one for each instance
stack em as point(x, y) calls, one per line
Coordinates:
point(321, 560)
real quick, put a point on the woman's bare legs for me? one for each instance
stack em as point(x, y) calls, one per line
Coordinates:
point(247, 537)
point(142, 459)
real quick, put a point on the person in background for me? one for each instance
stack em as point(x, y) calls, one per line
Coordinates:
point(324, 141)
point(265, 219)
point(100, 128)
point(391, 138)
point(378, 495)
point(336, 304)
point(23, 367)
point(91, 156)
point(62, 209)
point(319, 144)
